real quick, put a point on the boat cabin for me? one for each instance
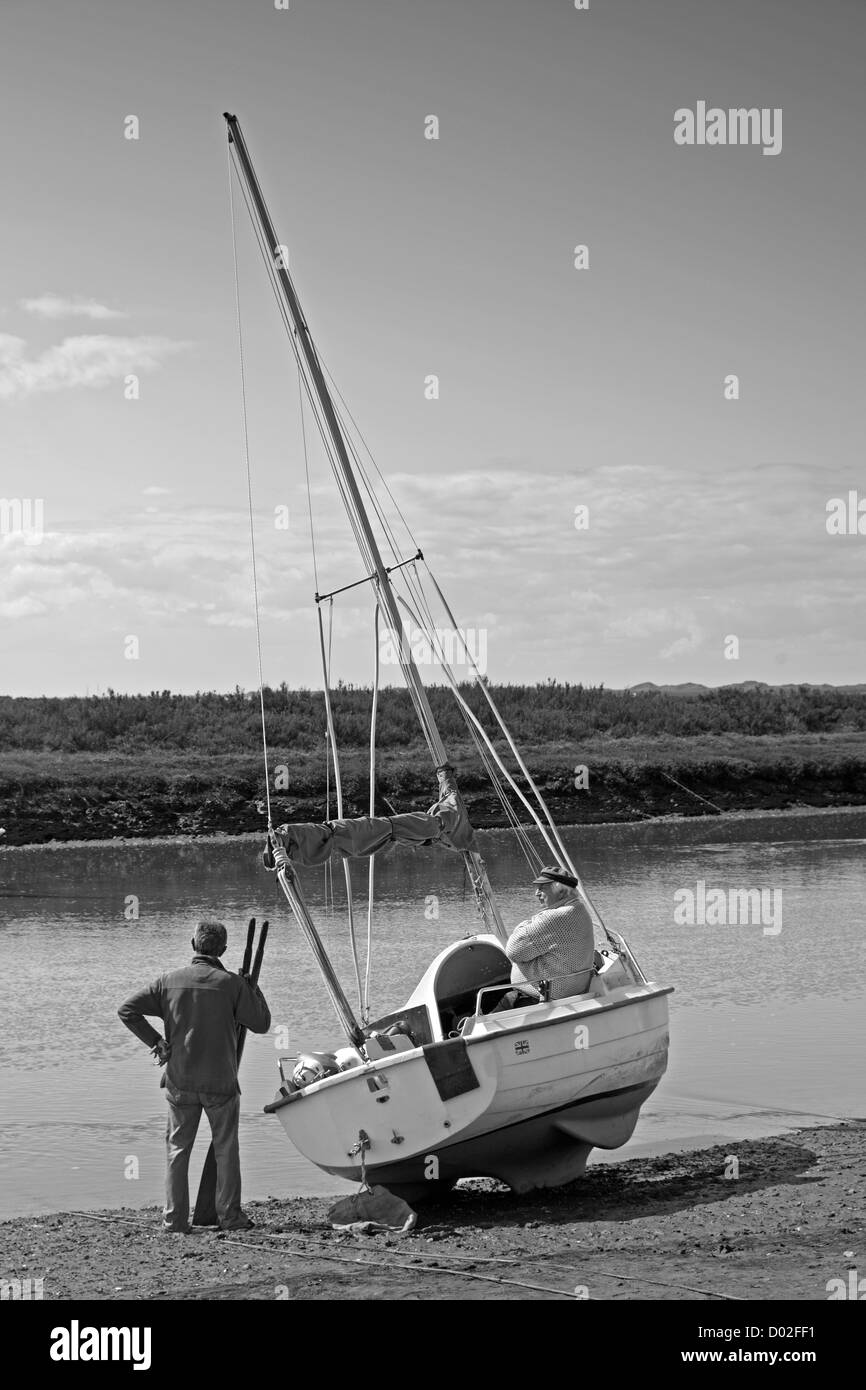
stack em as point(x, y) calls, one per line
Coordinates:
point(448, 991)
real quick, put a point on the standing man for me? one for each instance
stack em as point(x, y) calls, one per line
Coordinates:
point(556, 944)
point(201, 1006)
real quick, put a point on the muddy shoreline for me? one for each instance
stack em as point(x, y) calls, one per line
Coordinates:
point(674, 1227)
point(256, 837)
point(141, 803)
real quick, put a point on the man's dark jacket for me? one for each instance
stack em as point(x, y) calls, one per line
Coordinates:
point(201, 1005)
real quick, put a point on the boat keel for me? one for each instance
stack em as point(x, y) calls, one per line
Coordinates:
point(547, 1150)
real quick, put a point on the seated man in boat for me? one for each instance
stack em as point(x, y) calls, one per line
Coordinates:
point(556, 944)
point(201, 1006)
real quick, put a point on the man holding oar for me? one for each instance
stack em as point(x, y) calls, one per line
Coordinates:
point(204, 1009)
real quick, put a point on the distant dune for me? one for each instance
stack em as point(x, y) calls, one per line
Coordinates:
point(691, 688)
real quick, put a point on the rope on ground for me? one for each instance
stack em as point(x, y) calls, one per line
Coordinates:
point(318, 1253)
point(424, 1269)
point(641, 1279)
point(549, 1264)
point(343, 1259)
point(765, 1109)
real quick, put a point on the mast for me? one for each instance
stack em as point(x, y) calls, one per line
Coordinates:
point(357, 509)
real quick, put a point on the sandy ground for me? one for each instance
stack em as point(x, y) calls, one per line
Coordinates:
point(672, 1227)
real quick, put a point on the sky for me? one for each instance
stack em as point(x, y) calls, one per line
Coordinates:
point(559, 388)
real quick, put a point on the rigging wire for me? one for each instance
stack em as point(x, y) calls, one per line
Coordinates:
point(452, 680)
point(311, 396)
point(365, 1008)
point(338, 784)
point(391, 542)
point(328, 867)
point(553, 847)
point(528, 850)
point(330, 751)
point(359, 538)
point(336, 471)
point(412, 581)
point(307, 475)
point(417, 590)
point(372, 459)
point(413, 586)
point(559, 850)
point(563, 852)
point(388, 534)
point(347, 438)
point(249, 492)
point(328, 446)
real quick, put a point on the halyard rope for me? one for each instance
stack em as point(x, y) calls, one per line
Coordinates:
point(249, 489)
point(338, 783)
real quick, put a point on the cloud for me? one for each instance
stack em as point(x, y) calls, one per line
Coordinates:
point(23, 607)
point(190, 567)
point(155, 491)
point(643, 623)
point(54, 306)
point(90, 360)
point(689, 643)
point(663, 574)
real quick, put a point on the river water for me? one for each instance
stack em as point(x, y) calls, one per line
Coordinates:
point(767, 1025)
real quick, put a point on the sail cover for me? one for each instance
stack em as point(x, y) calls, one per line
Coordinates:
point(446, 823)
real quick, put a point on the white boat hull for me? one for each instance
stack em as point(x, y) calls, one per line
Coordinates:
point(522, 1096)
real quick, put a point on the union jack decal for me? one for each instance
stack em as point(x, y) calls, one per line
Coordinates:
point(521, 1046)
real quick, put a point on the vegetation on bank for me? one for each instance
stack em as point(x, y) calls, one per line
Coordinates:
point(63, 796)
point(162, 764)
point(540, 714)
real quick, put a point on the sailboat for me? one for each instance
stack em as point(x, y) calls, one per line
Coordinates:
point(446, 1086)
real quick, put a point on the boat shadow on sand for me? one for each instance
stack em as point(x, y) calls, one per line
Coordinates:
point(641, 1187)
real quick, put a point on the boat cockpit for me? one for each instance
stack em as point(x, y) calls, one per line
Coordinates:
point(466, 980)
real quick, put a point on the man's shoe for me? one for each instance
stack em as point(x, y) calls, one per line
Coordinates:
point(243, 1223)
point(176, 1230)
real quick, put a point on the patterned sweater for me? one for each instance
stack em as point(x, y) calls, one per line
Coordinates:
point(556, 942)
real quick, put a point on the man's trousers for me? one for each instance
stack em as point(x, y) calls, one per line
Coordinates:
point(184, 1114)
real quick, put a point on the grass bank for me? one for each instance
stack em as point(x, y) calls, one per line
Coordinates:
point(61, 795)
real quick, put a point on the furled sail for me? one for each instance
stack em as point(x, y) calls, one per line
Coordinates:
point(446, 823)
